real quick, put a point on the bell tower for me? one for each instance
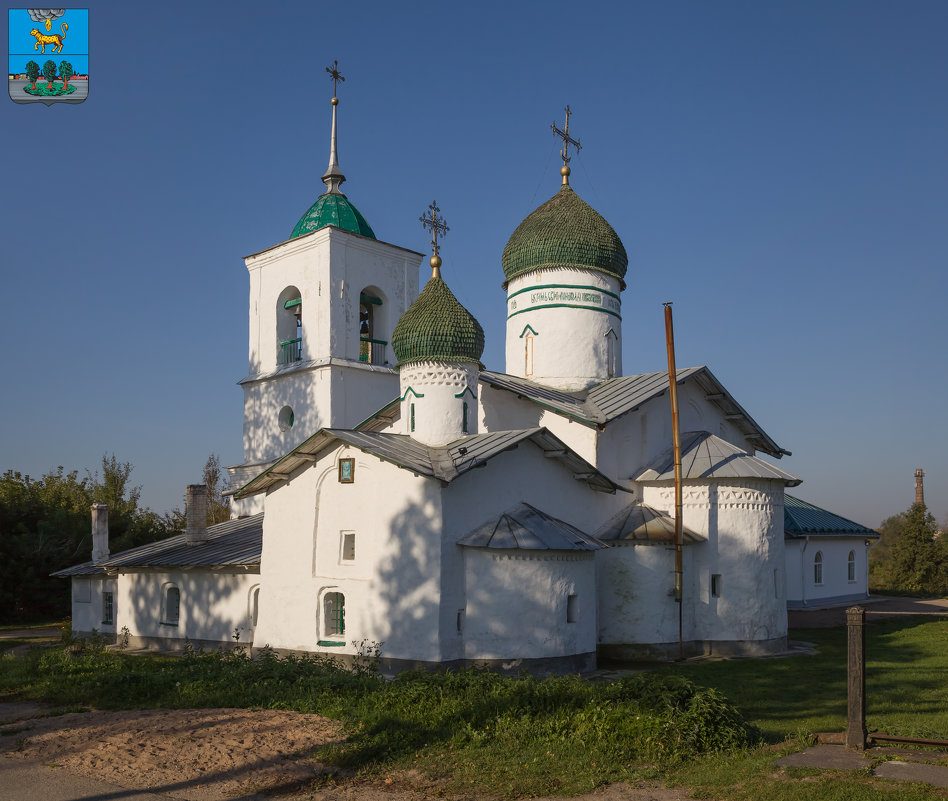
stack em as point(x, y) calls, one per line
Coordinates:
point(323, 306)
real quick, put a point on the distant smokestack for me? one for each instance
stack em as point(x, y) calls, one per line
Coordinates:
point(100, 532)
point(919, 487)
point(195, 530)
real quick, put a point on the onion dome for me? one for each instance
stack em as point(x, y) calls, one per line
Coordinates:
point(565, 232)
point(437, 327)
point(333, 207)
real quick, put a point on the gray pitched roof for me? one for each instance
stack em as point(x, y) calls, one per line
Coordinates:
point(444, 463)
point(640, 523)
point(526, 527)
point(611, 399)
point(234, 543)
point(704, 455)
point(801, 519)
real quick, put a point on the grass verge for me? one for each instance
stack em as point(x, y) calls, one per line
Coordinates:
point(479, 733)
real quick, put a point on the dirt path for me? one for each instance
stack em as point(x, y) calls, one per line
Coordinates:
point(217, 754)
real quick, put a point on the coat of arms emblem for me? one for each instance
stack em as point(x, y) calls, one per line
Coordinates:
point(48, 55)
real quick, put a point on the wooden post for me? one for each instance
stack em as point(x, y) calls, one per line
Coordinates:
point(856, 669)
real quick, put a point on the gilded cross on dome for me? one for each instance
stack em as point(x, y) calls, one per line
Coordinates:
point(432, 222)
point(567, 141)
point(436, 224)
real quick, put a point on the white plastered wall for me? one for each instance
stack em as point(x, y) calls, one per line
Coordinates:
point(213, 603)
point(800, 554)
point(329, 386)
point(87, 604)
point(439, 393)
point(636, 600)
point(574, 319)
point(391, 588)
point(330, 268)
point(743, 522)
point(489, 585)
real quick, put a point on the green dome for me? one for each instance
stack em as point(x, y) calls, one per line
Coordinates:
point(437, 328)
point(332, 208)
point(565, 232)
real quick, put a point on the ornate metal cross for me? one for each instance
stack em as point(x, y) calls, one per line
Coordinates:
point(335, 75)
point(567, 139)
point(431, 221)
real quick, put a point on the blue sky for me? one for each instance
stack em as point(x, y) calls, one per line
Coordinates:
point(778, 170)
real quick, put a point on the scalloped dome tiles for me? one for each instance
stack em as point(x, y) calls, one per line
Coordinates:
point(565, 232)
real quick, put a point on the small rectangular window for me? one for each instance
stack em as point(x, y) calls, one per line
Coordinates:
point(464, 418)
point(572, 608)
point(715, 585)
point(776, 584)
point(460, 621)
point(412, 416)
point(528, 356)
point(348, 546)
point(81, 591)
point(108, 609)
point(346, 471)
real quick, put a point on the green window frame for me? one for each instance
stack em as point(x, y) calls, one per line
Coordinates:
point(464, 418)
point(412, 415)
point(335, 614)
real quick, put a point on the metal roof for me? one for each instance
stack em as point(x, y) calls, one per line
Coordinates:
point(704, 455)
point(801, 519)
point(85, 569)
point(234, 543)
point(444, 463)
point(611, 399)
point(527, 528)
point(640, 523)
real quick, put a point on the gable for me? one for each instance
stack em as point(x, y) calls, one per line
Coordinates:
point(611, 400)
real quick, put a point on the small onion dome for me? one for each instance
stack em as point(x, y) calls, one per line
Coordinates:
point(333, 208)
point(565, 232)
point(437, 328)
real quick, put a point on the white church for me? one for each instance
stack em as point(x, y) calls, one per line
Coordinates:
point(394, 491)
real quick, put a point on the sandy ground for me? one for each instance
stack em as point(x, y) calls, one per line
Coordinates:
point(214, 754)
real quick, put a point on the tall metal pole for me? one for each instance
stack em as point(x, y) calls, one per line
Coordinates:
point(676, 441)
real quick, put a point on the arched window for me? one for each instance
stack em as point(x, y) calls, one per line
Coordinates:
point(851, 566)
point(289, 333)
point(334, 614)
point(611, 369)
point(254, 606)
point(527, 336)
point(818, 568)
point(371, 345)
point(171, 605)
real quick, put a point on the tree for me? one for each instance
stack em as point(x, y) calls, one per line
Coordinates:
point(49, 72)
point(32, 72)
point(65, 72)
point(45, 526)
point(908, 557)
point(218, 507)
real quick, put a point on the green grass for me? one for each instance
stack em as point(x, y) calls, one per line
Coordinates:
point(906, 691)
point(477, 732)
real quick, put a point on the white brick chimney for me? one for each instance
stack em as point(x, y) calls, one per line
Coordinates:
point(100, 532)
point(195, 530)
